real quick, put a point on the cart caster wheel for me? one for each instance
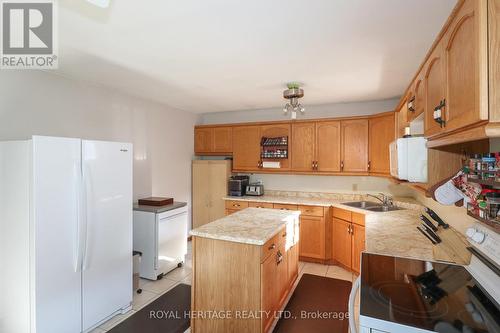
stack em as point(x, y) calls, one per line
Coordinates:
point(179, 265)
point(139, 291)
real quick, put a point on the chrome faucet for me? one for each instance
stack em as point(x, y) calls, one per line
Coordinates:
point(386, 199)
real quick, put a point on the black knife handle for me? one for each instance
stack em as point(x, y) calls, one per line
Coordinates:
point(428, 223)
point(436, 217)
point(431, 233)
point(427, 236)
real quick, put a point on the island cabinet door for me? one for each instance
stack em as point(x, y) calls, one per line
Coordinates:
point(282, 274)
point(293, 263)
point(312, 237)
point(342, 241)
point(358, 246)
point(269, 290)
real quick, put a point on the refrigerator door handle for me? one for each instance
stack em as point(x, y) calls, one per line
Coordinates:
point(80, 218)
point(85, 187)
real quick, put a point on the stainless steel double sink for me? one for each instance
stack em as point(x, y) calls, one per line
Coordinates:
point(371, 206)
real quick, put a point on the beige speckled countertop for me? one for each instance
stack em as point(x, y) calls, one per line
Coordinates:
point(251, 225)
point(389, 233)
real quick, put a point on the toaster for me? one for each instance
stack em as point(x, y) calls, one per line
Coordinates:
point(255, 189)
point(237, 185)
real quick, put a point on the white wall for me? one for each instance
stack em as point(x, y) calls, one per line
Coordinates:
point(312, 111)
point(36, 102)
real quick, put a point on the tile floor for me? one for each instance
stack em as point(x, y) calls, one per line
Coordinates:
point(151, 290)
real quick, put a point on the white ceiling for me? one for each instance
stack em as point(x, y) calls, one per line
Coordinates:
point(218, 55)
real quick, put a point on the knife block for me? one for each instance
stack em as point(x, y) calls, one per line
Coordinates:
point(453, 247)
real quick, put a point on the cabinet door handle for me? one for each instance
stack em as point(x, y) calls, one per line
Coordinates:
point(312, 165)
point(342, 165)
point(316, 165)
point(279, 257)
point(369, 164)
point(272, 247)
point(284, 235)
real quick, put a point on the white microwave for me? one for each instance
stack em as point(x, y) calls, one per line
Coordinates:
point(409, 159)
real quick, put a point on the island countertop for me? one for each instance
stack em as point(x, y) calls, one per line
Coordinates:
point(250, 226)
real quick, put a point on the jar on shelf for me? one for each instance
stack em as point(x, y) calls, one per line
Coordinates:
point(488, 162)
point(475, 162)
point(493, 200)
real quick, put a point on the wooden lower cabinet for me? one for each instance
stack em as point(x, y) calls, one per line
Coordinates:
point(260, 204)
point(342, 242)
point(358, 246)
point(312, 237)
point(230, 276)
point(348, 238)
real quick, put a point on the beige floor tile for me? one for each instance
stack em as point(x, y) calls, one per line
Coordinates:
point(179, 273)
point(142, 299)
point(160, 286)
point(188, 280)
point(97, 330)
point(337, 272)
point(315, 269)
point(115, 321)
point(301, 265)
point(143, 282)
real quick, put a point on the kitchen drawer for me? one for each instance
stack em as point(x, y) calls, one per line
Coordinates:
point(231, 211)
point(285, 206)
point(311, 210)
point(271, 246)
point(358, 218)
point(235, 204)
point(260, 204)
point(342, 214)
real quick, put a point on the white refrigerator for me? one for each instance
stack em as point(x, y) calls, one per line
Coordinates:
point(65, 234)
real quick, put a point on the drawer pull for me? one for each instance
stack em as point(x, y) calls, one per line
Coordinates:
point(236, 205)
point(284, 208)
point(272, 247)
point(284, 235)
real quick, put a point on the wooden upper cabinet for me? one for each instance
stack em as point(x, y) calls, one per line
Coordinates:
point(213, 140)
point(277, 130)
point(303, 146)
point(202, 140)
point(328, 146)
point(381, 134)
point(222, 139)
point(463, 52)
point(246, 148)
point(401, 119)
point(435, 90)
point(354, 145)
point(418, 98)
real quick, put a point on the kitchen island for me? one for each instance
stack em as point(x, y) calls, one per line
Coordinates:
point(244, 266)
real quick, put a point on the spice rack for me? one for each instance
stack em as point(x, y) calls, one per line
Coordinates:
point(274, 148)
point(485, 170)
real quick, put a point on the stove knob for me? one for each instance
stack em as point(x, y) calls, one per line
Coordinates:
point(478, 237)
point(470, 232)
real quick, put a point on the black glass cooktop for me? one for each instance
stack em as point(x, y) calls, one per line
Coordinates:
point(428, 295)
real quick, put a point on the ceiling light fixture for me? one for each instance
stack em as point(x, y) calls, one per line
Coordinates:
point(293, 93)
